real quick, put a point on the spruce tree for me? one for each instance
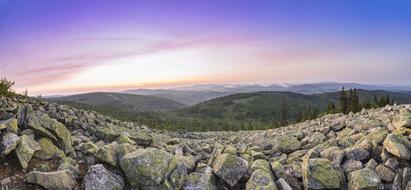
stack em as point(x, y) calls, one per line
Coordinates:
point(343, 102)
point(355, 102)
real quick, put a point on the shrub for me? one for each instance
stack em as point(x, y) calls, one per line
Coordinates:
point(6, 87)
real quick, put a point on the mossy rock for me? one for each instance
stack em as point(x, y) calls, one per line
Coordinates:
point(261, 180)
point(48, 150)
point(142, 139)
point(61, 180)
point(45, 126)
point(288, 144)
point(25, 150)
point(11, 125)
point(200, 181)
point(148, 167)
point(318, 173)
point(230, 168)
point(398, 145)
point(125, 139)
point(364, 179)
point(108, 154)
point(107, 134)
point(89, 148)
point(260, 164)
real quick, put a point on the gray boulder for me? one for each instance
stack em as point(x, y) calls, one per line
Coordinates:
point(363, 179)
point(318, 173)
point(59, 180)
point(200, 181)
point(9, 143)
point(25, 150)
point(147, 168)
point(230, 168)
point(99, 178)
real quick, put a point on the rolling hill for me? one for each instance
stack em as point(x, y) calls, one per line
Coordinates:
point(116, 101)
point(195, 94)
point(256, 110)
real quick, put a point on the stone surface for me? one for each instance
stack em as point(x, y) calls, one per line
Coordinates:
point(363, 179)
point(9, 142)
point(395, 145)
point(48, 150)
point(200, 181)
point(261, 180)
point(99, 178)
point(59, 180)
point(402, 120)
point(230, 168)
point(147, 167)
point(25, 150)
point(318, 173)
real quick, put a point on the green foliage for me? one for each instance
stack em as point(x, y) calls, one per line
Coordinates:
point(6, 87)
point(343, 102)
point(249, 111)
point(124, 102)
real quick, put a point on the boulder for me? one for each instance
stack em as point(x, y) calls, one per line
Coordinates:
point(261, 180)
point(396, 144)
point(288, 144)
point(45, 126)
point(363, 179)
point(174, 141)
point(403, 119)
point(230, 168)
point(385, 173)
point(200, 181)
point(146, 168)
point(283, 185)
point(58, 180)
point(125, 139)
point(99, 178)
point(9, 143)
point(25, 150)
point(359, 154)
point(260, 164)
point(108, 154)
point(177, 176)
point(333, 153)
point(48, 150)
point(11, 125)
point(142, 139)
point(74, 170)
point(89, 148)
point(318, 173)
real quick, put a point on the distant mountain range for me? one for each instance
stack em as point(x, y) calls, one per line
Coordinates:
point(199, 93)
point(121, 102)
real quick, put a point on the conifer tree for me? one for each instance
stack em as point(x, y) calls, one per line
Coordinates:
point(343, 101)
point(355, 102)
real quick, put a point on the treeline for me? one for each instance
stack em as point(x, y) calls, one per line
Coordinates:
point(349, 102)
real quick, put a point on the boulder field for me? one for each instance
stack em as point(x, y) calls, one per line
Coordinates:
point(50, 146)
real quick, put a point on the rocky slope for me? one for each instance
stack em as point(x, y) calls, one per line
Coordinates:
point(54, 147)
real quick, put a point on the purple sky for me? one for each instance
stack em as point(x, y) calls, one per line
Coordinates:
point(56, 46)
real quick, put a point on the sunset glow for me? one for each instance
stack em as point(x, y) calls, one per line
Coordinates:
point(63, 47)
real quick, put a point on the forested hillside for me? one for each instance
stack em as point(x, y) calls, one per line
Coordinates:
point(245, 111)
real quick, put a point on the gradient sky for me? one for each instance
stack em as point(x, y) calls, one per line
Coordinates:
point(58, 46)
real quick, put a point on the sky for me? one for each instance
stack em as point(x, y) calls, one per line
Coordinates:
point(65, 47)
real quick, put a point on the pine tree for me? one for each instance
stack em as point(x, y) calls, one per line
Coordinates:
point(284, 113)
point(355, 102)
point(343, 102)
point(387, 100)
point(331, 108)
point(376, 103)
